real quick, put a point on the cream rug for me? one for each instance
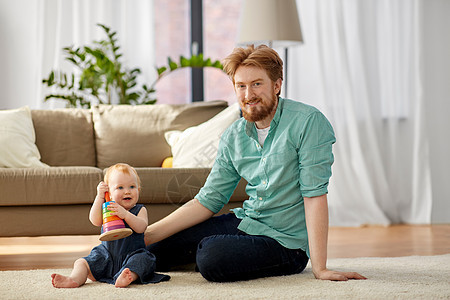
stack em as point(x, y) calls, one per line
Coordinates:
point(413, 277)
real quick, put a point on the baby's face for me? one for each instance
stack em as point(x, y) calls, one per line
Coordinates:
point(124, 189)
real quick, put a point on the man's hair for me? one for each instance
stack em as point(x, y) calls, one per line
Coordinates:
point(123, 168)
point(261, 56)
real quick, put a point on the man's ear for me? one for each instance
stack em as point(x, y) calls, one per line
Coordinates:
point(277, 85)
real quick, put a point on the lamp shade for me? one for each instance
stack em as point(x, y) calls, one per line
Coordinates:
point(271, 22)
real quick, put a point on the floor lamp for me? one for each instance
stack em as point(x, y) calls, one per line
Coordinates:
point(271, 22)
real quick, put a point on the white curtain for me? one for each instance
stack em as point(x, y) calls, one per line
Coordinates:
point(360, 64)
point(62, 23)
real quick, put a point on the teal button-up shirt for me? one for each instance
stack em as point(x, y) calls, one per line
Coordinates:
point(295, 162)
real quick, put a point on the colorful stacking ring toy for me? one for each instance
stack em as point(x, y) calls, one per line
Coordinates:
point(113, 227)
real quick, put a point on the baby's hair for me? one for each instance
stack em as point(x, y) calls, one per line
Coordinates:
point(123, 168)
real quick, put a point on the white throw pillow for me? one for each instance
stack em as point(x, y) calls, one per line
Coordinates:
point(17, 140)
point(196, 147)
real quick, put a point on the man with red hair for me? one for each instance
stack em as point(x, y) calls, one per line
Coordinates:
point(283, 149)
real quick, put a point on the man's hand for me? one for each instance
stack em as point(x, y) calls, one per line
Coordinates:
point(316, 213)
point(337, 276)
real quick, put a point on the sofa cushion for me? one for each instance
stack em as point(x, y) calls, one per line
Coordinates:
point(49, 186)
point(196, 147)
point(65, 137)
point(177, 185)
point(135, 134)
point(17, 140)
point(170, 185)
point(46, 220)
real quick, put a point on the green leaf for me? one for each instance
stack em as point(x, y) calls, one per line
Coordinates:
point(207, 63)
point(161, 70)
point(172, 64)
point(184, 62)
point(72, 82)
point(71, 59)
point(197, 61)
point(150, 102)
point(136, 71)
point(51, 78)
point(217, 64)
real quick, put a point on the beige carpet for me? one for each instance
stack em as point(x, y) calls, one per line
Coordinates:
point(413, 277)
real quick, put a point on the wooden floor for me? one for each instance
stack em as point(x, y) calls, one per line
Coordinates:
point(22, 253)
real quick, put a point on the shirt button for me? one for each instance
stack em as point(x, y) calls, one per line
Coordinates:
point(264, 182)
point(260, 198)
point(264, 159)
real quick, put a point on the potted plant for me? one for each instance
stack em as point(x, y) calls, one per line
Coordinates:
point(103, 76)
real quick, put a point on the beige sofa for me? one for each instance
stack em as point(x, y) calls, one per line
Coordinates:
point(78, 144)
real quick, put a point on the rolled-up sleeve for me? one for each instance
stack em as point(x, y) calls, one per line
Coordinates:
point(315, 155)
point(222, 180)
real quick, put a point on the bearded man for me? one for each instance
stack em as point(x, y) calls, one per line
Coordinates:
point(283, 149)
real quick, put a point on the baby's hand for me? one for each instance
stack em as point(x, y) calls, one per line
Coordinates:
point(117, 210)
point(102, 188)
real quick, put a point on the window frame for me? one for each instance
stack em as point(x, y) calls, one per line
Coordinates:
point(196, 15)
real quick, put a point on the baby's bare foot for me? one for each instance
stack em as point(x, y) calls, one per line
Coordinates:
point(125, 278)
point(60, 281)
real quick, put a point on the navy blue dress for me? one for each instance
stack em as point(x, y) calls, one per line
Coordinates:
point(108, 260)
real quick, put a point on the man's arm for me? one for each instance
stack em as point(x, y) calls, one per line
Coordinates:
point(316, 213)
point(188, 215)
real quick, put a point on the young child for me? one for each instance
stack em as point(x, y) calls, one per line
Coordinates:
point(122, 261)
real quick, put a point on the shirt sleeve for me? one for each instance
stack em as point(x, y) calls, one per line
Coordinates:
point(315, 155)
point(222, 179)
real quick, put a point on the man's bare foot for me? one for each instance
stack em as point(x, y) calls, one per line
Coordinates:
point(125, 278)
point(60, 281)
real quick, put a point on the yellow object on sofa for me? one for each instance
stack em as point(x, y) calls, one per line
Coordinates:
point(167, 163)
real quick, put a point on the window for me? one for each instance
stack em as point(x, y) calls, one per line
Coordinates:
point(220, 29)
point(173, 38)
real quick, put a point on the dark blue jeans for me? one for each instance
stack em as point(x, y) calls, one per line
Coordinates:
point(224, 253)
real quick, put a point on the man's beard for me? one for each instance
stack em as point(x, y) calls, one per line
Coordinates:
point(258, 113)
